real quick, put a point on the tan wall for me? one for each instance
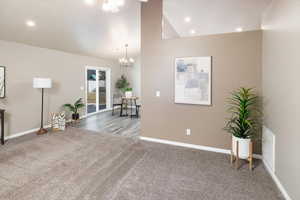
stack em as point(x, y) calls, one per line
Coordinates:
point(281, 69)
point(134, 77)
point(24, 62)
point(236, 62)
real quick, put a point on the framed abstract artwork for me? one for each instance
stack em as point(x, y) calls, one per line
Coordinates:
point(193, 80)
point(2, 82)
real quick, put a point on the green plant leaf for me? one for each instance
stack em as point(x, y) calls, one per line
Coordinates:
point(241, 106)
point(75, 107)
point(122, 83)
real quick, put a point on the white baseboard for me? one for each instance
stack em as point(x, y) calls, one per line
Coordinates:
point(24, 133)
point(36, 129)
point(192, 146)
point(48, 126)
point(277, 181)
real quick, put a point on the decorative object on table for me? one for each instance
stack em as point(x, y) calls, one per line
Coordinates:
point(128, 93)
point(74, 108)
point(2, 82)
point(122, 84)
point(42, 83)
point(242, 124)
point(193, 80)
point(58, 121)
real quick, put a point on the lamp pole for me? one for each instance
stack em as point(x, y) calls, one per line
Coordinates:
point(42, 130)
point(42, 113)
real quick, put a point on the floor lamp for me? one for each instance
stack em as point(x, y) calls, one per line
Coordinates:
point(42, 83)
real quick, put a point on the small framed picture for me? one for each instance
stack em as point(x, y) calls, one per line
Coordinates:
point(193, 80)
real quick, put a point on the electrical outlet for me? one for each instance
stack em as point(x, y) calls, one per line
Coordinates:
point(157, 93)
point(188, 132)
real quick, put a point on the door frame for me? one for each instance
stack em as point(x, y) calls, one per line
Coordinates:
point(108, 89)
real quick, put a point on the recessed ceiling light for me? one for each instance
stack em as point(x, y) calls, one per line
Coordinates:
point(30, 23)
point(192, 31)
point(239, 29)
point(187, 19)
point(90, 2)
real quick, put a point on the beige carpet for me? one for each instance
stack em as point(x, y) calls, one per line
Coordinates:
point(82, 165)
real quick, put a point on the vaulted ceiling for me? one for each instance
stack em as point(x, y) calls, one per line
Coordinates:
point(72, 26)
point(76, 27)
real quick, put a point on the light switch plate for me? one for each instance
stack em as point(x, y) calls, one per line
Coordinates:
point(188, 132)
point(157, 93)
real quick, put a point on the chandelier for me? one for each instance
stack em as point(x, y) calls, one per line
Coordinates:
point(109, 5)
point(112, 5)
point(125, 61)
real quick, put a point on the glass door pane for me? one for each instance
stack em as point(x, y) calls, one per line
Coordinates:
point(91, 91)
point(102, 90)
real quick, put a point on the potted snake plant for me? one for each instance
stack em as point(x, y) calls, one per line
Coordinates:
point(242, 123)
point(74, 108)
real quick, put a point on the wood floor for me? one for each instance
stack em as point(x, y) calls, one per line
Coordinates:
point(116, 125)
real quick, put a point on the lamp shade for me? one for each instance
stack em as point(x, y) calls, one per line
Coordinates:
point(42, 83)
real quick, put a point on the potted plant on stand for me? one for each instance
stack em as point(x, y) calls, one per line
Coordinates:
point(242, 125)
point(74, 108)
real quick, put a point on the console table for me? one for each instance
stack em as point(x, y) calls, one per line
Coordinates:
point(2, 125)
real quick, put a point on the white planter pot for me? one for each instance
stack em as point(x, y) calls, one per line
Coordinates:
point(244, 147)
point(128, 94)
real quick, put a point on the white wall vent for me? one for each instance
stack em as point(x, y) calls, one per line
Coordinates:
point(268, 148)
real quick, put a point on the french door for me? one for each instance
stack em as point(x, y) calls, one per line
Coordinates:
point(97, 89)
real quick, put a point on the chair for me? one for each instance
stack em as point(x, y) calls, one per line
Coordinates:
point(117, 101)
point(138, 107)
